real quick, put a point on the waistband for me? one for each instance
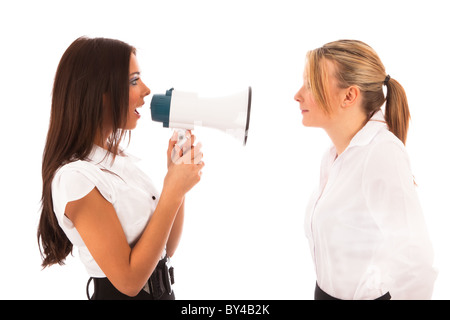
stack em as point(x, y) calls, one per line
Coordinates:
point(319, 294)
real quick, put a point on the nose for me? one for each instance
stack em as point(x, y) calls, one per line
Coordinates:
point(298, 96)
point(146, 90)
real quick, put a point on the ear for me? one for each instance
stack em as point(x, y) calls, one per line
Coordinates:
point(351, 96)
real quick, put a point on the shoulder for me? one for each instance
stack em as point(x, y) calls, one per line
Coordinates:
point(385, 145)
point(80, 167)
point(75, 179)
point(387, 157)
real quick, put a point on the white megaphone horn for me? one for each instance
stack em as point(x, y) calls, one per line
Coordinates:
point(185, 110)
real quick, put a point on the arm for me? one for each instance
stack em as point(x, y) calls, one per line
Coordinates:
point(177, 227)
point(175, 233)
point(98, 225)
point(406, 252)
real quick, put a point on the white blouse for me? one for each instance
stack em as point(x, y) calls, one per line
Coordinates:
point(122, 183)
point(364, 223)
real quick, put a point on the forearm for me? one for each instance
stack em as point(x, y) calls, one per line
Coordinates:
point(175, 233)
point(148, 250)
point(165, 226)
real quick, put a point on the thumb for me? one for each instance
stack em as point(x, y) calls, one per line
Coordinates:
point(175, 154)
point(173, 140)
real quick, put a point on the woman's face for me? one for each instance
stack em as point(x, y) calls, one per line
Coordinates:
point(138, 90)
point(313, 114)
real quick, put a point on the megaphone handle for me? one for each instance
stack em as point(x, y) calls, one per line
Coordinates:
point(181, 137)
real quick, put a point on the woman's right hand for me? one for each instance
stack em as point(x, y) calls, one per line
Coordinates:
point(184, 166)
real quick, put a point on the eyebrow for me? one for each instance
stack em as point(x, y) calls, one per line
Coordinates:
point(135, 73)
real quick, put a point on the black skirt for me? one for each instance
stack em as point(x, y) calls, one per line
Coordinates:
point(159, 286)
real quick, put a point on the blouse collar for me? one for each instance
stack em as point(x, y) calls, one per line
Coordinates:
point(364, 136)
point(104, 159)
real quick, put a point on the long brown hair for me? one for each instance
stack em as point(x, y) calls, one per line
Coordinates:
point(358, 64)
point(90, 71)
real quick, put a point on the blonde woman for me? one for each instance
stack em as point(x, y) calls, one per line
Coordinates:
point(364, 223)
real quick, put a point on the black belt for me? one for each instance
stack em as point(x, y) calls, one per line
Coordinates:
point(158, 286)
point(319, 294)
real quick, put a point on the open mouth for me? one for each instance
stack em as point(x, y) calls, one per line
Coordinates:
point(136, 110)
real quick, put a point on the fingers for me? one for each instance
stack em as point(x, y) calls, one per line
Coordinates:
point(175, 154)
point(191, 137)
point(192, 156)
point(188, 142)
point(187, 153)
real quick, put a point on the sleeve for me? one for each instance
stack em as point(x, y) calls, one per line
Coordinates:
point(406, 254)
point(73, 182)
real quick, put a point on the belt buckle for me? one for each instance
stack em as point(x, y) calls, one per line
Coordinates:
point(168, 275)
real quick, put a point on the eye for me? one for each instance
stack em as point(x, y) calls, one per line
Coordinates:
point(134, 81)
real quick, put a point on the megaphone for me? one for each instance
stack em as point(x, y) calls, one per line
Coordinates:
point(185, 110)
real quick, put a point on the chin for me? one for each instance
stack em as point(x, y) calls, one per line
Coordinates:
point(310, 124)
point(306, 123)
point(130, 126)
point(312, 121)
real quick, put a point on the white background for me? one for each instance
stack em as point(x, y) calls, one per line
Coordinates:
point(243, 236)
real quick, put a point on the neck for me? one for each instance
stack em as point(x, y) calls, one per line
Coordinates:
point(102, 139)
point(342, 132)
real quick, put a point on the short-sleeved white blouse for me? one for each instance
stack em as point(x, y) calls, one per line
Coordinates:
point(121, 182)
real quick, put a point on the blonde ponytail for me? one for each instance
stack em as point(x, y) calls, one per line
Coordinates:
point(397, 111)
point(357, 64)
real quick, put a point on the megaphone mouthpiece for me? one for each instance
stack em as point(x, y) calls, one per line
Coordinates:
point(160, 107)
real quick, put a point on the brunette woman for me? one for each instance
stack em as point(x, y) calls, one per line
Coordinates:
point(94, 196)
